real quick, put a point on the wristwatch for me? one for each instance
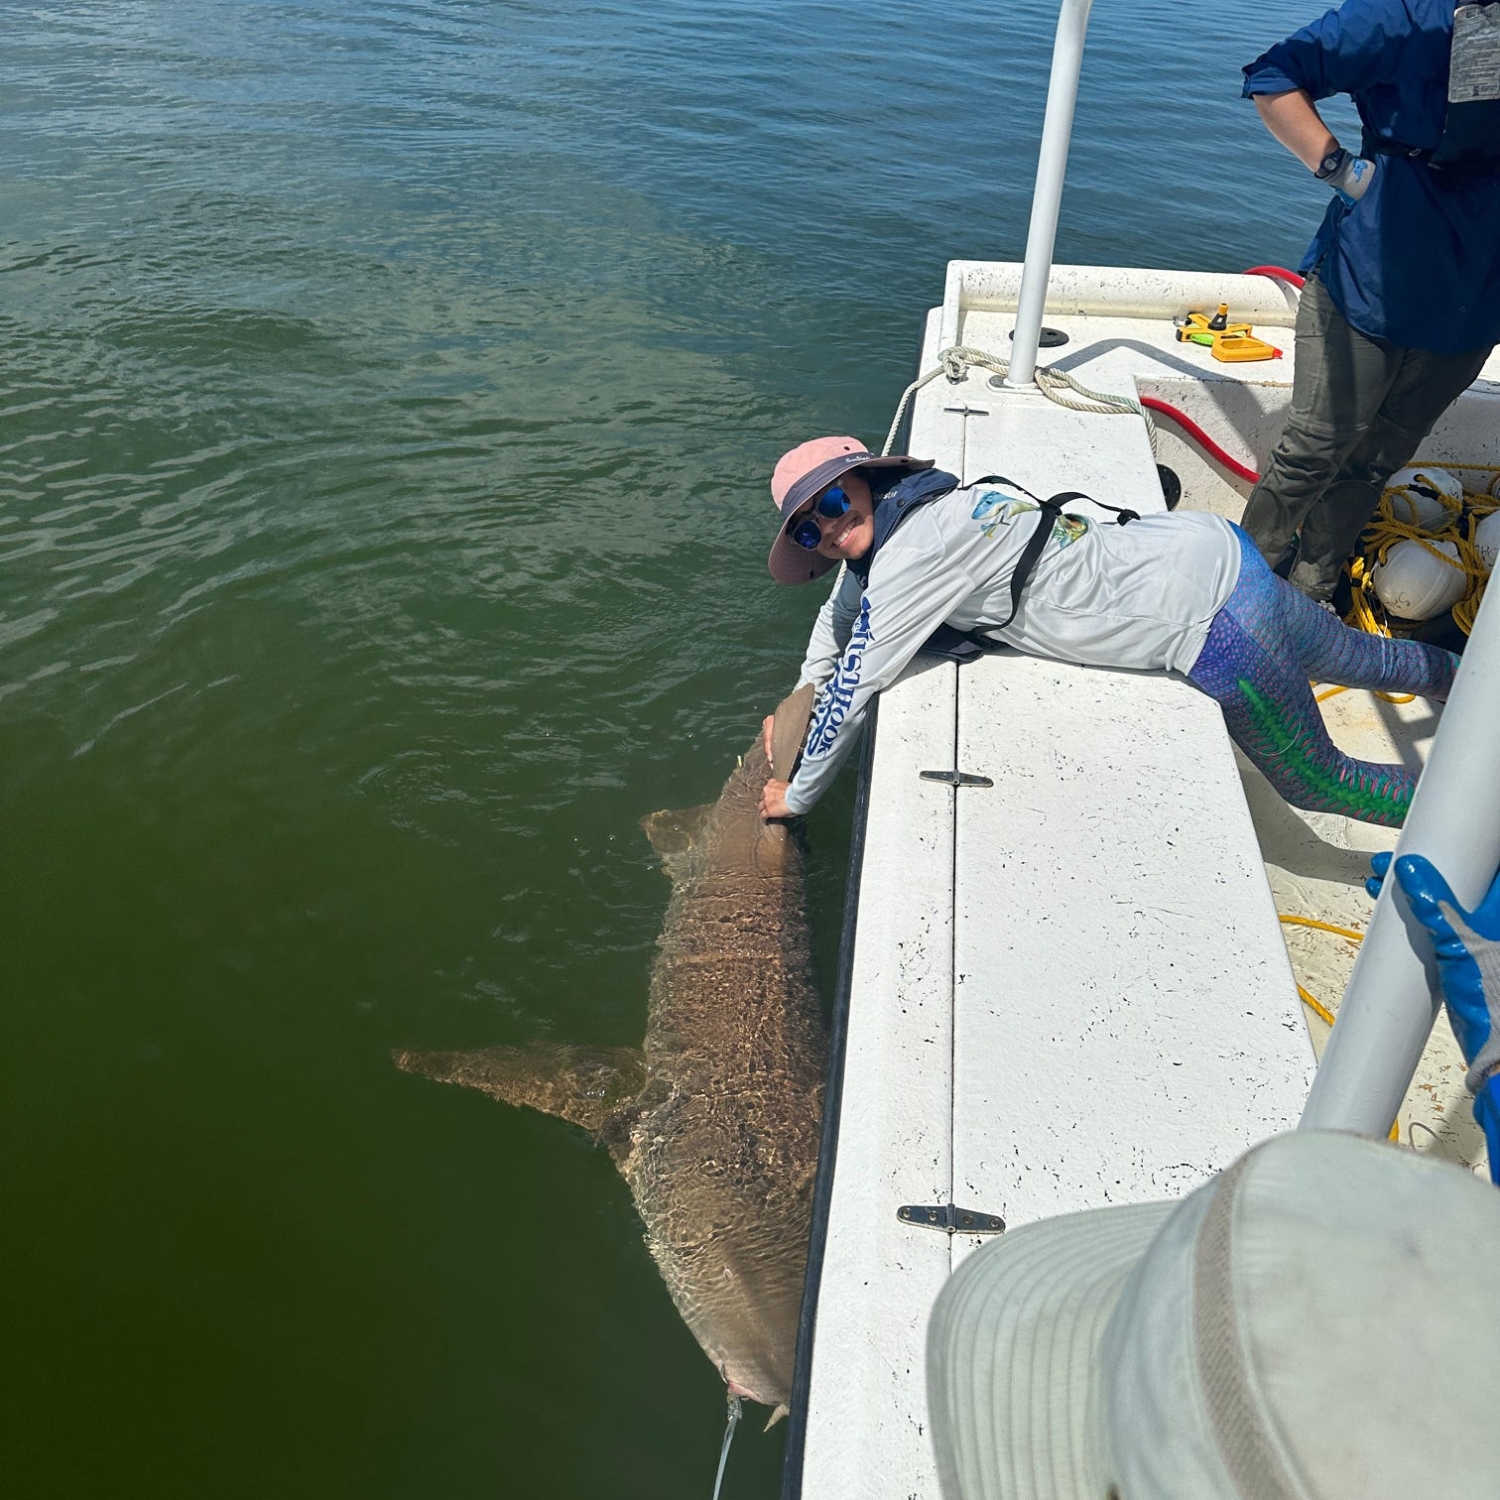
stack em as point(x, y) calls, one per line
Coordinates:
point(1330, 164)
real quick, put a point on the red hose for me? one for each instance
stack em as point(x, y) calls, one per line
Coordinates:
point(1200, 437)
point(1189, 426)
point(1279, 273)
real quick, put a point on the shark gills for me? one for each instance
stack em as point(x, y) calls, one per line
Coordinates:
point(714, 1122)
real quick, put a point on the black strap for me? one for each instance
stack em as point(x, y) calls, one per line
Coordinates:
point(1372, 145)
point(961, 646)
point(1122, 514)
point(1048, 513)
point(1467, 151)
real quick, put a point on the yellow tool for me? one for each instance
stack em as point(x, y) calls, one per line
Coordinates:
point(1227, 341)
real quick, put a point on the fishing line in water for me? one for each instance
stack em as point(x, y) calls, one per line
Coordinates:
point(729, 1426)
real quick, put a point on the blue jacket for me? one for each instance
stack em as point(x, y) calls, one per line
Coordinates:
point(1416, 260)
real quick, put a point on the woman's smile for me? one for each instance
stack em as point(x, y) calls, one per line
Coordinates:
point(836, 534)
point(850, 534)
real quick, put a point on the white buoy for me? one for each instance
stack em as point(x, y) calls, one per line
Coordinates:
point(1487, 538)
point(1424, 497)
point(1416, 585)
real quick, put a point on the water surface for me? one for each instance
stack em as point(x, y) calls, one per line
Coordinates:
point(387, 397)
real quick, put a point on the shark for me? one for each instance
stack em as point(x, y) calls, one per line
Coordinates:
point(714, 1121)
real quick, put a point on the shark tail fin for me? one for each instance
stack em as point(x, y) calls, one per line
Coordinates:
point(584, 1085)
point(793, 714)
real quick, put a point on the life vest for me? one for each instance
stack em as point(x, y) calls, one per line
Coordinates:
point(1471, 132)
point(913, 491)
point(1470, 143)
point(894, 504)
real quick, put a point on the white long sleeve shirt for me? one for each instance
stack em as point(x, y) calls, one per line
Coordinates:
point(1140, 595)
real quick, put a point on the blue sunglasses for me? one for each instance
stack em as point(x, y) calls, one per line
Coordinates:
point(832, 503)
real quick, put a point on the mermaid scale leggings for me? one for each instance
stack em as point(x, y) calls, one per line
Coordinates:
point(1262, 648)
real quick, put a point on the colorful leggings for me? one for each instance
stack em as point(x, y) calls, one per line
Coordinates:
point(1262, 648)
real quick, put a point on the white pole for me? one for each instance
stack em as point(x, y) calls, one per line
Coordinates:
point(1046, 197)
point(1391, 1002)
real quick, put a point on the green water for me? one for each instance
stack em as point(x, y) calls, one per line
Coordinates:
point(387, 396)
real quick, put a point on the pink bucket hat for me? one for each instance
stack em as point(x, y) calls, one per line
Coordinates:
point(799, 475)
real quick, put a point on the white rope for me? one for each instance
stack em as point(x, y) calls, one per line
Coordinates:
point(1055, 385)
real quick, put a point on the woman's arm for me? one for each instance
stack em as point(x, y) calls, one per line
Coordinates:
point(830, 632)
point(912, 591)
point(1294, 121)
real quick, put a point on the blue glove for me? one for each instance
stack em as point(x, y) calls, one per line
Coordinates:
point(1467, 945)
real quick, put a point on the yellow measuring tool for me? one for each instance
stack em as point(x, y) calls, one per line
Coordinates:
point(1225, 340)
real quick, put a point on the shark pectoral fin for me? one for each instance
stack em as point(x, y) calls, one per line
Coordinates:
point(581, 1084)
point(790, 729)
point(674, 830)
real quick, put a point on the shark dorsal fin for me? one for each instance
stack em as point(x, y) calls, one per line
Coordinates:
point(584, 1085)
point(789, 730)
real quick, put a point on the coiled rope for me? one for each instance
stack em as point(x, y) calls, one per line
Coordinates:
point(1458, 526)
point(1055, 385)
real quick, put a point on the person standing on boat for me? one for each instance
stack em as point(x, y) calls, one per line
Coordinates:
point(1402, 301)
point(1182, 591)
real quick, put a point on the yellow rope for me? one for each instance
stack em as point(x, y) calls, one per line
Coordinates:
point(1457, 527)
point(1477, 468)
point(1315, 1006)
point(1467, 608)
point(1310, 1000)
point(1333, 692)
point(1347, 932)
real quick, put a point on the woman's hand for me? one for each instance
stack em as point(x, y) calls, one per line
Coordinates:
point(773, 799)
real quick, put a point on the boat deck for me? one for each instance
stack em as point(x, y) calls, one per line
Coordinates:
point(1068, 988)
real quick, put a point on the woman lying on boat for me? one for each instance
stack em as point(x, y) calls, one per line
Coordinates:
point(1183, 591)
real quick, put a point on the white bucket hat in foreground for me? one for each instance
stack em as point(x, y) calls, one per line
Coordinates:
point(1320, 1320)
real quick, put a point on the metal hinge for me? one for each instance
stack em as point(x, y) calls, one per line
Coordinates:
point(950, 1219)
point(955, 778)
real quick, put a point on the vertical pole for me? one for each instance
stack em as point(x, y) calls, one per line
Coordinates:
point(1390, 1005)
point(1046, 197)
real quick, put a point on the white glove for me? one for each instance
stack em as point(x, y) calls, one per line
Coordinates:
point(1347, 174)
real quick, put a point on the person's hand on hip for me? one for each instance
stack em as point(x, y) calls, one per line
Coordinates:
point(1347, 174)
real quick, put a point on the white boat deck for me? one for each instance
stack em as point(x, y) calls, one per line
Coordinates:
point(1068, 989)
